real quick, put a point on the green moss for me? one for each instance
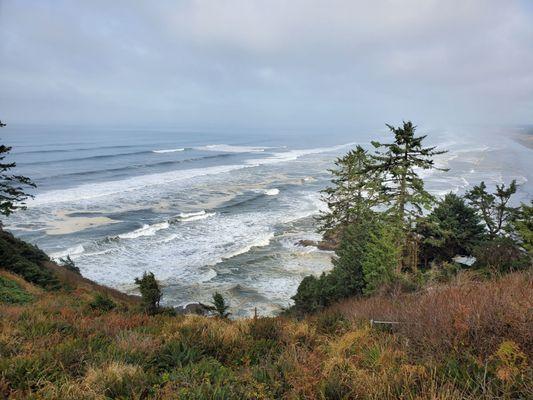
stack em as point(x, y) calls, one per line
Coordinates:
point(12, 293)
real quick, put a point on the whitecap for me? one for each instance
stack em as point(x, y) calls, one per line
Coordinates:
point(260, 242)
point(194, 216)
point(167, 151)
point(71, 251)
point(146, 230)
point(226, 148)
point(272, 192)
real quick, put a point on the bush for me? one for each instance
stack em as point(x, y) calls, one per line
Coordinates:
point(102, 302)
point(26, 260)
point(12, 293)
point(150, 292)
point(265, 328)
point(501, 254)
point(174, 355)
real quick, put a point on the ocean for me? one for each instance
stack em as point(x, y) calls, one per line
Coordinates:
point(208, 211)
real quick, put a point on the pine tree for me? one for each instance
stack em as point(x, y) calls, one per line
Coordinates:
point(452, 227)
point(356, 190)
point(13, 188)
point(381, 258)
point(399, 162)
point(494, 207)
point(150, 292)
point(347, 266)
point(523, 225)
point(219, 306)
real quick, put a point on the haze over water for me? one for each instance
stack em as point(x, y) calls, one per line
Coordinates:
point(210, 211)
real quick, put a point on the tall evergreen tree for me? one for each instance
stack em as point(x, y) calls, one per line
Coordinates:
point(452, 227)
point(356, 190)
point(347, 265)
point(381, 258)
point(13, 188)
point(494, 207)
point(399, 162)
point(523, 225)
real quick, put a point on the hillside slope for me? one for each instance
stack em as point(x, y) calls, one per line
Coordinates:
point(466, 339)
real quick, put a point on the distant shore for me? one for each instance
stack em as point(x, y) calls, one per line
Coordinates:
point(525, 139)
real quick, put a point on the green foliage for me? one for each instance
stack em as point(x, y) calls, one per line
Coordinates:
point(265, 328)
point(452, 228)
point(12, 293)
point(13, 188)
point(348, 269)
point(381, 258)
point(219, 306)
point(399, 162)
point(69, 264)
point(174, 355)
point(26, 260)
point(102, 302)
point(150, 292)
point(501, 254)
point(368, 242)
point(356, 190)
point(523, 224)
point(207, 379)
point(494, 207)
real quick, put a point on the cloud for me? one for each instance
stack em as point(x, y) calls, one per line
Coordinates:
point(281, 64)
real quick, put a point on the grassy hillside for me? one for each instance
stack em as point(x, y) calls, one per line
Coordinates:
point(465, 339)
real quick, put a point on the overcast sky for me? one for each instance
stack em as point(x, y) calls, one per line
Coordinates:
point(295, 64)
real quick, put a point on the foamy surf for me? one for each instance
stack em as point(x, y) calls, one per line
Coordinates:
point(168, 151)
point(226, 148)
point(194, 216)
point(71, 251)
point(146, 230)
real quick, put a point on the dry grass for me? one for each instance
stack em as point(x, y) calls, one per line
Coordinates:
point(465, 340)
point(465, 313)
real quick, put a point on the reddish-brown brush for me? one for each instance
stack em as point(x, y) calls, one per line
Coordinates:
point(463, 314)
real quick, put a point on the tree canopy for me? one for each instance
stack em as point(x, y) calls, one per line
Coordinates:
point(13, 188)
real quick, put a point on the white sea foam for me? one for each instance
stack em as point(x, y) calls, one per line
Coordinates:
point(272, 192)
point(102, 189)
point(168, 151)
point(194, 216)
point(146, 230)
point(71, 251)
point(259, 242)
point(232, 149)
point(292, 155)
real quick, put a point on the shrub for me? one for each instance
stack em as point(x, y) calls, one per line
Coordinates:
point(219, 306)
point(501, 254)
point(118, 381)
point(102, 302)
point(12, 293)
point(174, 355)
point(265, 328)
point(150, 292)
point(69, 264)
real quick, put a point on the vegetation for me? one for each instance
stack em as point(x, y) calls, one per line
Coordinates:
point(27, 261)
point(469, 339)
point(391, 233)
point(219, 306)
point(68, 263)
point(13, 188)
point(150, 292)
point(494, 207)
point(12, 293)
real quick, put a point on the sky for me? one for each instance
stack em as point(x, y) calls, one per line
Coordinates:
point(251, 64)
